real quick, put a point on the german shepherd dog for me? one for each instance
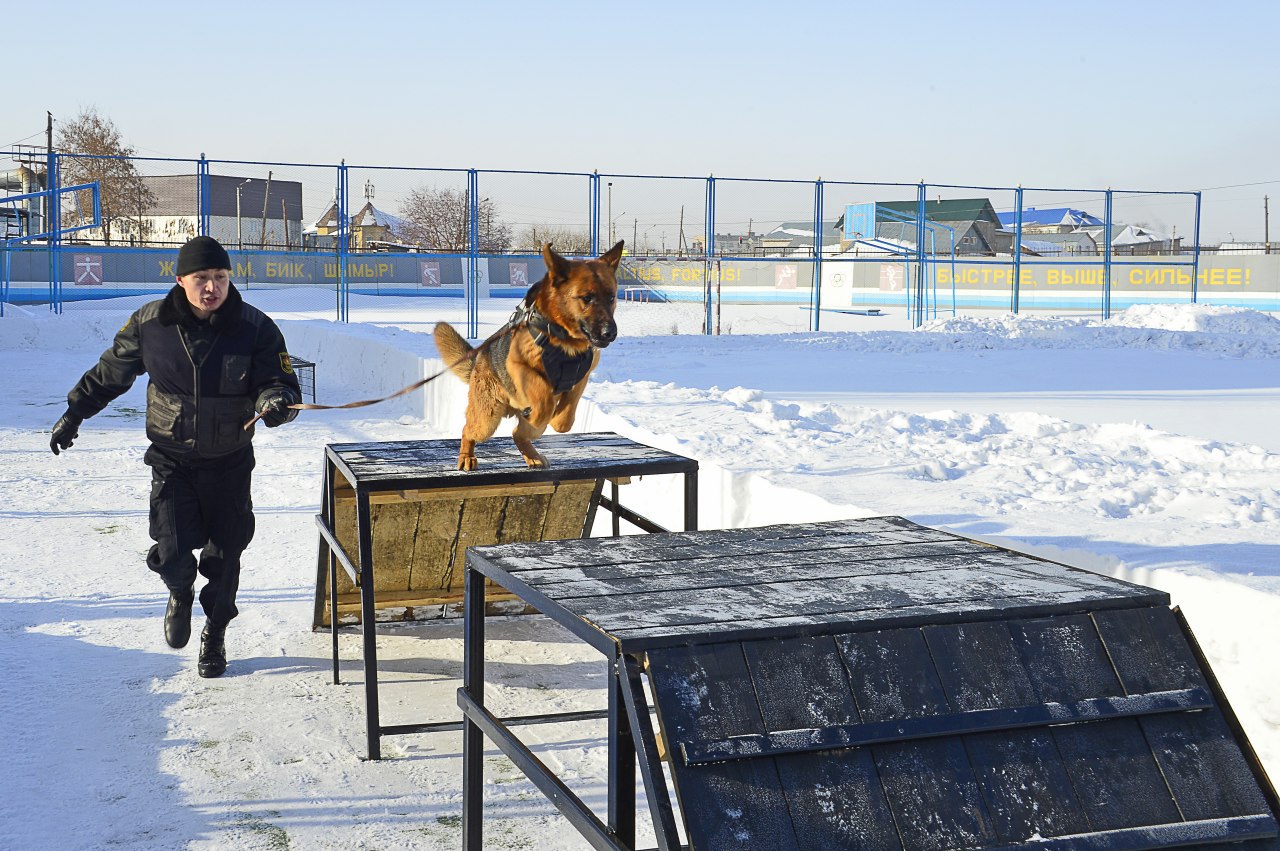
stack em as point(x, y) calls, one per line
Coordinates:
point(537, 372)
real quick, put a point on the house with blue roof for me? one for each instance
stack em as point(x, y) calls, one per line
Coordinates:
point(1054, 220)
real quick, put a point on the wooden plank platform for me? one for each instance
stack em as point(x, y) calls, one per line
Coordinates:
point(410, 464)
point(654, 591)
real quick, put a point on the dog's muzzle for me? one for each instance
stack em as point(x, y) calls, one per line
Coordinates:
point(602, 335)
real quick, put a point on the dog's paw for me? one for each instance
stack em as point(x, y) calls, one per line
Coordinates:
point(536, 460)
point(467, 462)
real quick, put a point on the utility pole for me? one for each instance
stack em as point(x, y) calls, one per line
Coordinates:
point(49, 225)
point(1266, 224)
point(239, 229)
point(262, 230)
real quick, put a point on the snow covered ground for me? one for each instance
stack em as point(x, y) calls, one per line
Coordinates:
point(1144, 447)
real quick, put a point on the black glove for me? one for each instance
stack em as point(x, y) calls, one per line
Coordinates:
point(65, 430)
point(275, 410)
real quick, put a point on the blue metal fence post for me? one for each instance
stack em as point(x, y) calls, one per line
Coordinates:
point(593, 206)
point(473, 255)
point(202, 194)
point(4, 282)
point(1195, 259)
point(816, 300)
point(708, 249)
point(917, 319)
point(344, 246)
point(1017, 250)
point(1106, 256)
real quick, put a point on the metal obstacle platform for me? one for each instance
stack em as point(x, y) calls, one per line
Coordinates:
point(398, 516)
point(877, 684)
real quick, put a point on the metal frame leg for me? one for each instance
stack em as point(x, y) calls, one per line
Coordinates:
point(622, 760)
point(368, 628)
point(617, 526)
point(472, 735)
point(691, 501)
point(655, 782)
point(333, 613)
point(327, 566)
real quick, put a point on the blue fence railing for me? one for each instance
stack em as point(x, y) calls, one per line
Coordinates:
point(760, 241)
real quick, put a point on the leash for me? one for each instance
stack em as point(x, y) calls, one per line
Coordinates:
point(518, 319)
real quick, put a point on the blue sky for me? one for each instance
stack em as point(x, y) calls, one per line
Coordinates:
point(1171, 96)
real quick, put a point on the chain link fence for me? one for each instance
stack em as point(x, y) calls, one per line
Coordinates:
point(703, 255)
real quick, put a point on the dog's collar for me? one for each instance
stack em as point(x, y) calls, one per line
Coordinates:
point(540, 327)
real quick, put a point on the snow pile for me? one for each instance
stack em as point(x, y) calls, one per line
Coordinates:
point(997, 463)
point(26, 329)
point(1199, 317)
point(1229, 331)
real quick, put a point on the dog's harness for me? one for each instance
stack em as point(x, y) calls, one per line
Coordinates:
point(563, 369)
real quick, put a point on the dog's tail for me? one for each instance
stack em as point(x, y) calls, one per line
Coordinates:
point(454, 349)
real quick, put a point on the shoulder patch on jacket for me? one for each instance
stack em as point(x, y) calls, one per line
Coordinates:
point(286, 364)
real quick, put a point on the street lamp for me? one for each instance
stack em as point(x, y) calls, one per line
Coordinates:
point(239, 240)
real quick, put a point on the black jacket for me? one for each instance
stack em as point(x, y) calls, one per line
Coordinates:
point(206, 377)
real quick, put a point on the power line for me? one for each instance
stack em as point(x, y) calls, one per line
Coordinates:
point(1240, 185)
point(25, 138)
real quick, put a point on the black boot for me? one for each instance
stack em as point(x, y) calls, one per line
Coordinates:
point(177, 618)
point(213, 652)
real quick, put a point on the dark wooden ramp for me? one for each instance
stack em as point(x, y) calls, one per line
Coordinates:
point(875, 684)
point(1097, 730)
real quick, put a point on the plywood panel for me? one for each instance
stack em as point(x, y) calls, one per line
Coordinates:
point(705, 692)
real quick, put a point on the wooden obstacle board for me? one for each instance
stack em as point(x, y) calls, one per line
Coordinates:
point(420, 539)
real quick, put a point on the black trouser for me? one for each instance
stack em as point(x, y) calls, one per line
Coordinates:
point(201, 504)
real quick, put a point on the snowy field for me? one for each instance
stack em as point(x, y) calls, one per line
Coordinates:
point(1146, 447)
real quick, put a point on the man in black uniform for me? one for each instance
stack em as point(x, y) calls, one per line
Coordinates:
point(213, 360)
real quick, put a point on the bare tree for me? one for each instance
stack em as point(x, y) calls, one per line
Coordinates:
point(439, 220)
point(101, 155)
point(567, 240)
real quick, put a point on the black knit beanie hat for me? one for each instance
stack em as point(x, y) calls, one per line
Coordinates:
point(203, 252)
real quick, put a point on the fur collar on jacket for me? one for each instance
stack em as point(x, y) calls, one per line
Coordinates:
point(176, 310)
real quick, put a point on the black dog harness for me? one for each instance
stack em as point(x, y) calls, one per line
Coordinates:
point(563, 369)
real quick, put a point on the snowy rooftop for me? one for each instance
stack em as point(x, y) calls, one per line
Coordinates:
point(1055, 216)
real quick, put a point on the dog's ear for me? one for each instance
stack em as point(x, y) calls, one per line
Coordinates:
point(613, 255)
point(557, 266)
